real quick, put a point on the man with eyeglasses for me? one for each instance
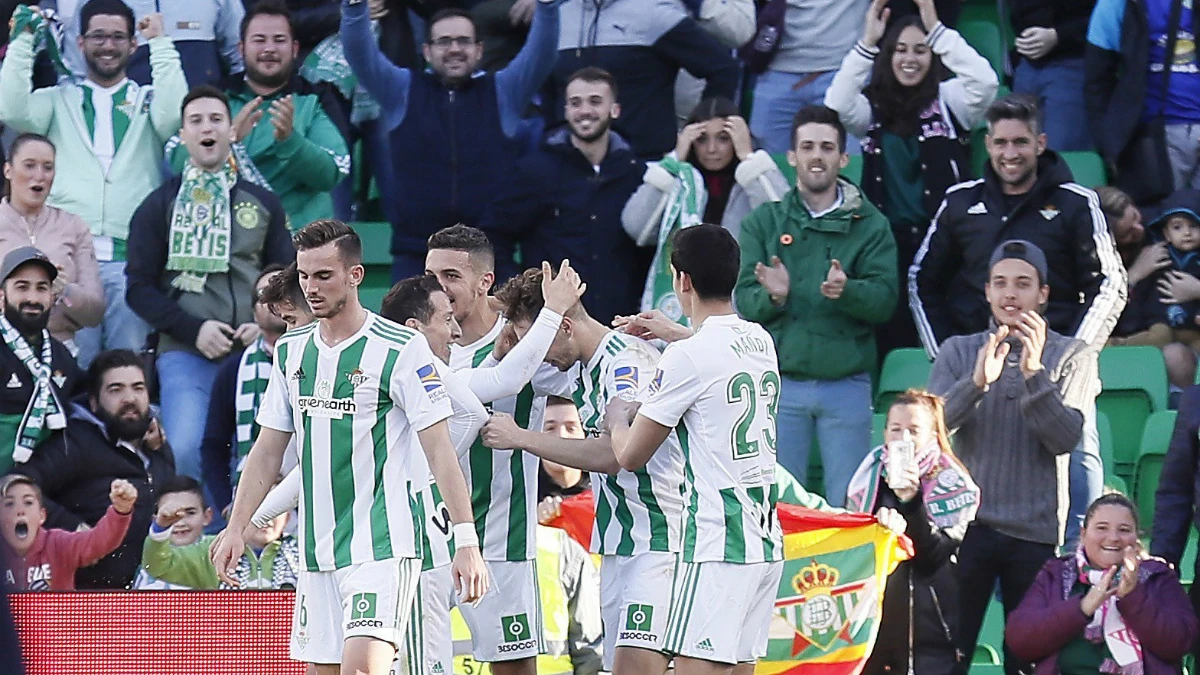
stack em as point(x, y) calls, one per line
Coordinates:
point(109, 133)
point(453, 132)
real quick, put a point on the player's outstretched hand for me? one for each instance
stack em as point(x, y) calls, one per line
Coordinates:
point(653, 325)
point(501, 432)
point(225, 552)
point(563, 290)
point(470, 574)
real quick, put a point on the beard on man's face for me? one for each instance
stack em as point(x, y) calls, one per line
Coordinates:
point(125, 428)
point(28, 318)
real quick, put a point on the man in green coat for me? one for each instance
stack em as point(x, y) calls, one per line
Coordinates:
point(283, 123)
point(819, 273)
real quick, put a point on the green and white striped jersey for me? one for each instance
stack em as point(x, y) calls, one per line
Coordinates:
point(503, 483)
point(720, 390)
point(636, 511)
point(355, 410)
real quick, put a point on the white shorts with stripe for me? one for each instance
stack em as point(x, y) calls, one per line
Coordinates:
point(745, 594)
point(635, 599)
point(506, 625)
point(372, 599)
point(428, 648)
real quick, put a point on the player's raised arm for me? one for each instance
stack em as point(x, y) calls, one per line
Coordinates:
point(590, 454)
point(470, 573)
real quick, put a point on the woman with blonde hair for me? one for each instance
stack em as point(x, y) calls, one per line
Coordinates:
point(916, 473)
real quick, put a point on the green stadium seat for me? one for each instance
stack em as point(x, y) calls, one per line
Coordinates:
point(991, 639)
point(1087, 167)
point(853, 170)
point(1104, 430)
point(1134, 385)
point(377, 259)
point(878, 426)
point(1155, 439)
point(902, 369)
point(988, 39)
point(985, 655)
point(789, 172)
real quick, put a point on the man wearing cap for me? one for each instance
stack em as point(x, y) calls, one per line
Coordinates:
point(1016, 396)
point(37, 373)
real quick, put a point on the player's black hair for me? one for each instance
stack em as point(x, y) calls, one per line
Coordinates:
point(710, 256)
point(410, 299)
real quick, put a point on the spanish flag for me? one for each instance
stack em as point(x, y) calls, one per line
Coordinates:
point(830, 597)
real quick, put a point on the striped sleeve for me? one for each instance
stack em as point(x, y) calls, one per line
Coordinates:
point(1106, 289)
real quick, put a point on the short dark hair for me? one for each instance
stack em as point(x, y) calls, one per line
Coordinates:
point(267, 8)
point(410, 299)
point(449, 13)
point(1019, 107)
point(521, 296)
point(818, 114)
point(181, 483)
point(268, 270)
point(285, 287)
point(105, 8)
point(204, 91)
point(466, 238)
point(710, 256)
point(111, 360)
point(320, 232)
point(594, 74)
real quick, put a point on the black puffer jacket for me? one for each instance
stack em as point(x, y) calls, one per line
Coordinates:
point(923, 590)
point(75, 470)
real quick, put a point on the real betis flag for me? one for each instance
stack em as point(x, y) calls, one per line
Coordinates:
point(830, 597)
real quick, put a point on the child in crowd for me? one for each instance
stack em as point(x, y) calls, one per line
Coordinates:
point(1159, 320)
point(271, 560)
point(34, 558)
point(182, 494)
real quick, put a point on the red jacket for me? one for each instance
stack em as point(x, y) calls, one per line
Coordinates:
point(51, 562)
point(1158, 611)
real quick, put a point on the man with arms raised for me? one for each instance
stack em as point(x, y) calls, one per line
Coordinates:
point(362, 394)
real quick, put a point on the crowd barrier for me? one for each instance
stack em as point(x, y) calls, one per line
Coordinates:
point(156, 632)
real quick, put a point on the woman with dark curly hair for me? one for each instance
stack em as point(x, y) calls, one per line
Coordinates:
point(894, 91)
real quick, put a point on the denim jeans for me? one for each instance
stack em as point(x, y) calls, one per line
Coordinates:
point(1058, 86)
point(121, 328)
point(185, 383)
point(776, 100)
point(985, 557)
point(1086, 478)
point(840, 412)
point(1183, 149)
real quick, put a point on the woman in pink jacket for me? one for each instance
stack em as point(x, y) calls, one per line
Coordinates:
point(1107, 608)
point(25, 220)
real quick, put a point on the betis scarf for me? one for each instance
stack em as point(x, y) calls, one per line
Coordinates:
point(685, 208)
point(200, 227)
point(254, 370)
point(44, 411)
point(47, 32)
point(327, 63)
point(951, 497)
point(830, 598)
point(1107, 625)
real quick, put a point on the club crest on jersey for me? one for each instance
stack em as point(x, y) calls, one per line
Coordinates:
point(356, 377)
point(625, 379)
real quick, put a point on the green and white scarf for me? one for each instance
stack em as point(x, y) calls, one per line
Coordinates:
point(47, 32)
point(685, 208)
point(44, 412)
point(200, 227)
point(254, 370)
point(327, 63)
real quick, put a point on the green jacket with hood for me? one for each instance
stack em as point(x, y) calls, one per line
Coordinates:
point(818, 338)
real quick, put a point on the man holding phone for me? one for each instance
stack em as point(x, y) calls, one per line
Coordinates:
point(196, 246)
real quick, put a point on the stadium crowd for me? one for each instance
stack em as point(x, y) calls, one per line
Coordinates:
point(539, 163)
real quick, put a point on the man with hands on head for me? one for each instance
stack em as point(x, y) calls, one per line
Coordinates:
point(1016, 398)
point(363, 395)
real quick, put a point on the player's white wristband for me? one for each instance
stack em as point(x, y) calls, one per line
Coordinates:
point(464, 535)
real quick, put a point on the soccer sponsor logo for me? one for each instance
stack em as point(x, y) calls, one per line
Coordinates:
point(362, 611)
point(429, 378)
point(625, 379)
point(517, 633)
point(656, 383)
point(331, 408)
point(298, 375)
point(705, 645)
point(639, 621)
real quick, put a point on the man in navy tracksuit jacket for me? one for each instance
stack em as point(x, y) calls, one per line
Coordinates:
point(453, 133)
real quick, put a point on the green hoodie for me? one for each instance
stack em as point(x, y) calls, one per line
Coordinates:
point(276, 567)
point(818, 338)
point(303, 168)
